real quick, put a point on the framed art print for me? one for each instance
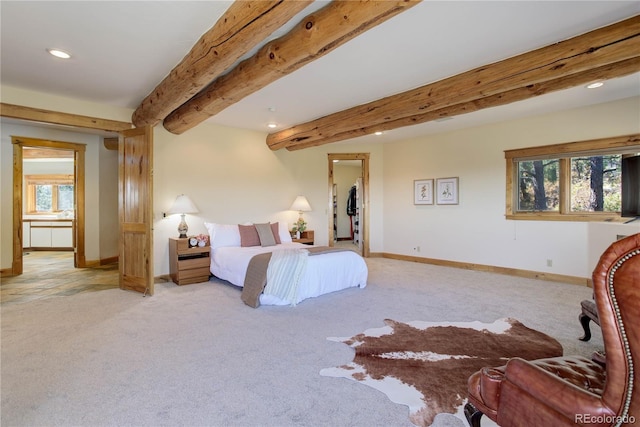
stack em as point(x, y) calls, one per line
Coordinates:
point(447, 191)
point(423, 192)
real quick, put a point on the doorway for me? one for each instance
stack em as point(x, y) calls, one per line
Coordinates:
point(53, 229)
point(349, 201)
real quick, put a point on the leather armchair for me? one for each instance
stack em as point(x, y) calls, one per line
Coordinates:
point(569, 391)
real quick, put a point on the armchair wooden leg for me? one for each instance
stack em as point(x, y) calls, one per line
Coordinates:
point(584, 321)
point(472, 414)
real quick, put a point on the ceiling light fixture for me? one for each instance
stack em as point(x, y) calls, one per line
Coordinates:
point(59, 53)
point(272, 125)
point(595, 85)
point(378, 133)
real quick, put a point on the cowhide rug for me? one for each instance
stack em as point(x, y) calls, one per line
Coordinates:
point(425, 365)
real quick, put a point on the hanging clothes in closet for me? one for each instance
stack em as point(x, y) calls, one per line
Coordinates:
point(354, 205)
point(357, 236)
point(351, 206)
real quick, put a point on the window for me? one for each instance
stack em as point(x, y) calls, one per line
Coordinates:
point(49, 193)
point(577, 181)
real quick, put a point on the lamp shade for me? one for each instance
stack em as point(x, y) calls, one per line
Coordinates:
point(301, 204)
point(183, 205)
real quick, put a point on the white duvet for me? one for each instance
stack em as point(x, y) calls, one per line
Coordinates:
point(325, 273)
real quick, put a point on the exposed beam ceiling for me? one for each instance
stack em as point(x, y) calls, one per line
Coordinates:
point(244, 25)
point(607, 52)
point(122, 50)
point(315, 36)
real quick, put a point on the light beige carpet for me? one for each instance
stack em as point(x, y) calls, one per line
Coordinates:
point(196, 355)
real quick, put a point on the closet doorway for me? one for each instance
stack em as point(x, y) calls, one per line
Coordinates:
point(349, 201)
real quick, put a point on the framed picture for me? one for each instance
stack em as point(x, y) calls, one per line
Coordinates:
point(447, 191)
point(423, 192)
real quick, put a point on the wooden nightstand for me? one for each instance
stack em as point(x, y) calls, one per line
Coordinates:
point(188, 265)
point(306, 237)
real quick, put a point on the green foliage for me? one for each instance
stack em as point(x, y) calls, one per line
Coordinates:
point(595, 184)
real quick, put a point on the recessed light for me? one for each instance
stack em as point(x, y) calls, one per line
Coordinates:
point(378, 133)
point(272, 125)
point(59, 53)
point(595, 85)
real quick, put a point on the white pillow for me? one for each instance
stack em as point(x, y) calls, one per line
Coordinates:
point(223, 234)
point(283, 232)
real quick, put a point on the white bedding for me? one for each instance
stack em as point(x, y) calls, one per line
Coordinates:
point(325, 273)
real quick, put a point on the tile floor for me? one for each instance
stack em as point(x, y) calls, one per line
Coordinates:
point(51, 274)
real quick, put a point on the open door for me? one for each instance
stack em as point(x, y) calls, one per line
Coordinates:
point(135, 159)
point(363, 158)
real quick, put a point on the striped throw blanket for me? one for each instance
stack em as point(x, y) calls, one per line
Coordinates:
point(284, 273)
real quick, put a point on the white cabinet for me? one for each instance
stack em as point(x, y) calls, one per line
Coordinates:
point(26, 234)
point(40, 236)
point(50, 234)
point(61, 237)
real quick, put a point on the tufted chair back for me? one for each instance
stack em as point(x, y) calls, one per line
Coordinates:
point(572, 390)
point(616, 284)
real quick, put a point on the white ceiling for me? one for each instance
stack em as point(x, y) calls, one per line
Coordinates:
point(123, 49)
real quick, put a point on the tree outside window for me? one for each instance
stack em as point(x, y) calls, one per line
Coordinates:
point(572, 181)
point(49, 193)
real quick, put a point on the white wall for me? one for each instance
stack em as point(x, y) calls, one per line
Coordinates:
point(108, 201)
point(475, 230)
point(233, 177)
point(92, 189)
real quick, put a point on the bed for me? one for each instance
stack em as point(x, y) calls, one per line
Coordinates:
point(232, 252)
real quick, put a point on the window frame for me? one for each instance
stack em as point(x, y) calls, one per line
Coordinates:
point(625, 144)
point(55, 180)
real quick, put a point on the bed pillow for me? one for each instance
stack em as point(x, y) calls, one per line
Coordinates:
point(283, 232)
point(275, 229)
point(265, 234)
point(222, 235)
point(248, 235)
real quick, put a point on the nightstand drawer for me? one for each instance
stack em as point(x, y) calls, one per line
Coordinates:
point(191, 263)
point(185, 275)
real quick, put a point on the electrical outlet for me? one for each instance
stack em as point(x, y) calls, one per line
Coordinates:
point(549, 263)
point(418, 248)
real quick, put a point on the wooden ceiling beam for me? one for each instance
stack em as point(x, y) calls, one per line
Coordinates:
point(611, 71)
point(598, 48)
point(58, 118)
point(242, 27)
point(316, 35)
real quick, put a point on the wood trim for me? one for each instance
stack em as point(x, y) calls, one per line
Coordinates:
point(58, 118)
point(313, 37)
point(111, 143)
point(243, 26)
point(16, 266)
point(562, 62)
point(79, 223)
point(563, 152)
point(6, 272)
point(110, 260)
point(529, 274)
point(39, 153)
point(613, 143)
point(79, 188)
point(364, 157)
